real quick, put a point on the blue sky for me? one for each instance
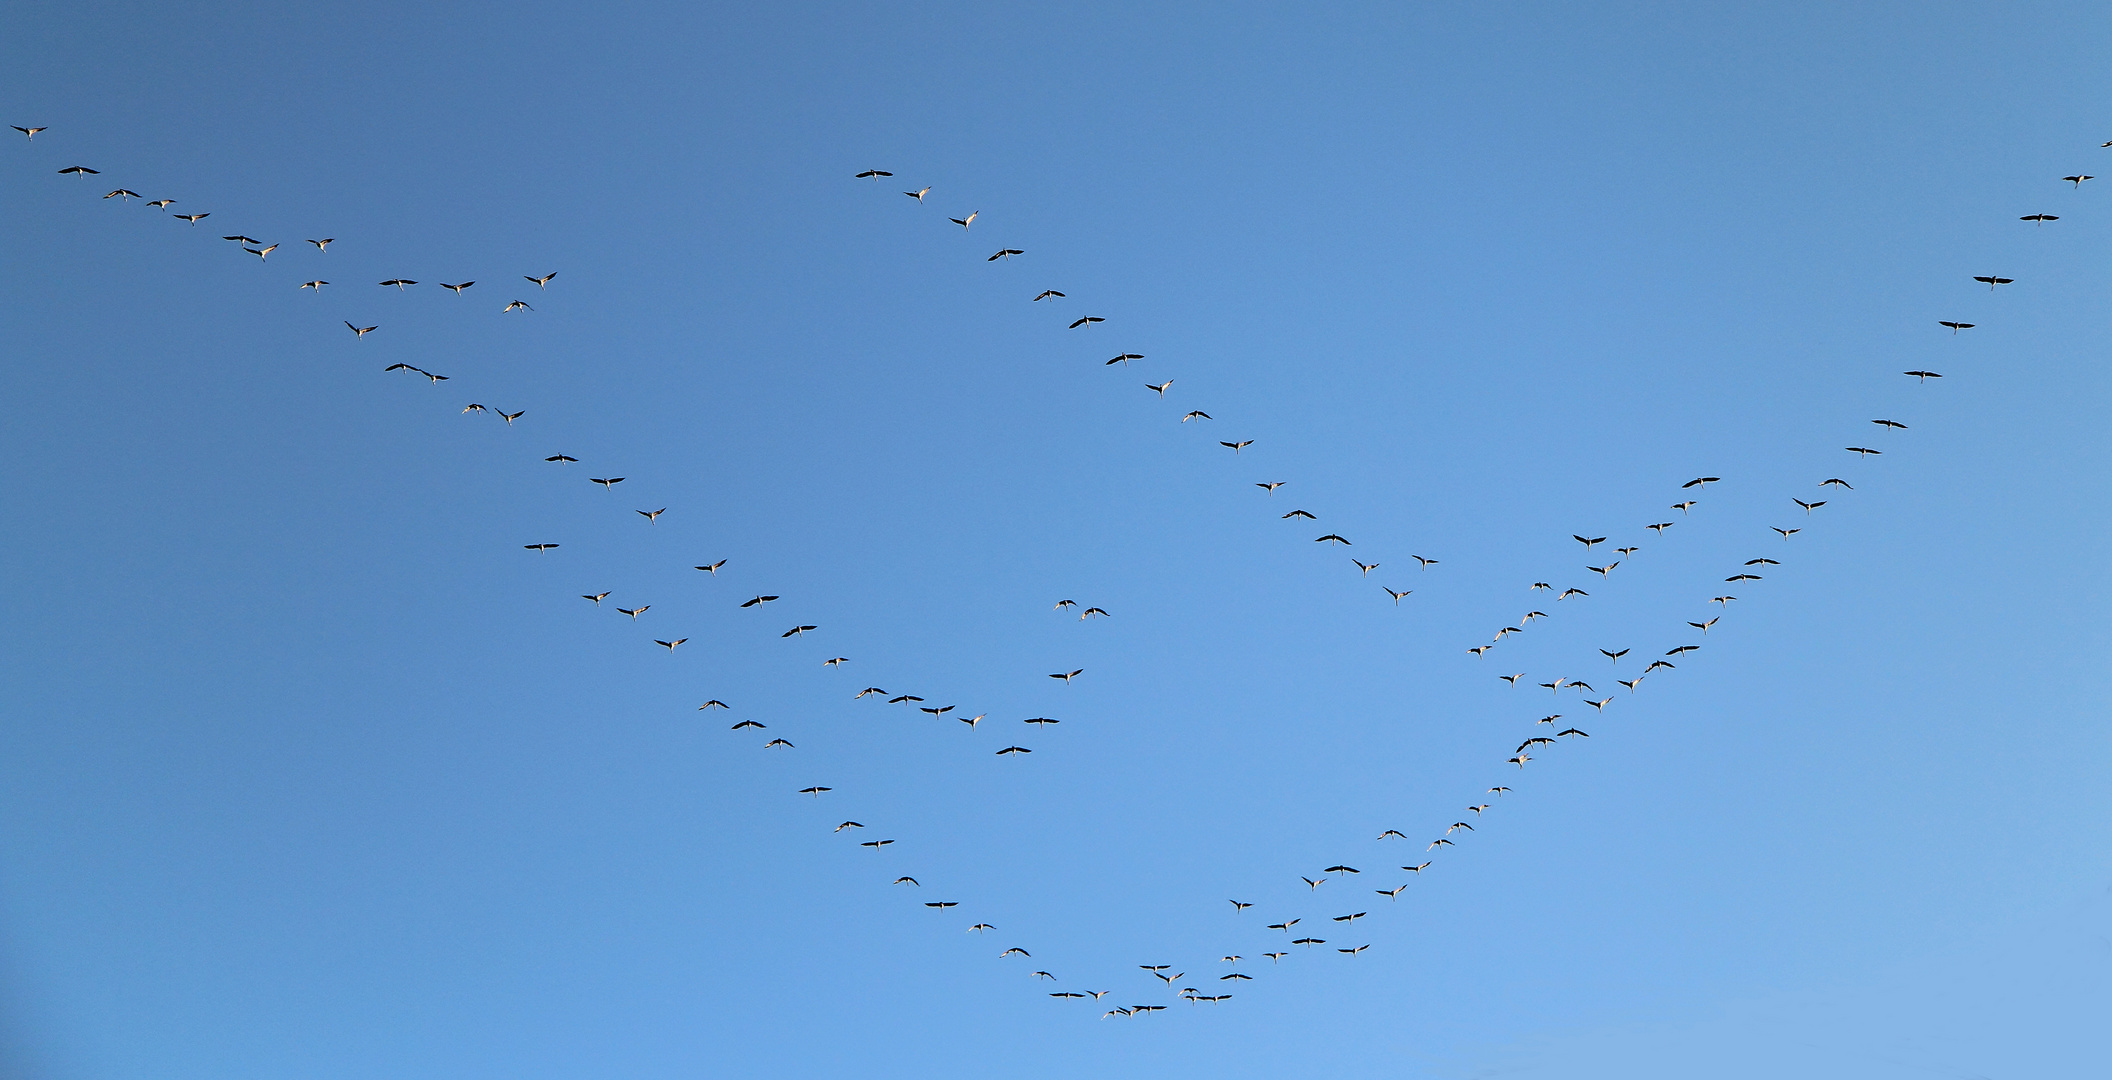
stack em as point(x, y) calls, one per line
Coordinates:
point(309, 769)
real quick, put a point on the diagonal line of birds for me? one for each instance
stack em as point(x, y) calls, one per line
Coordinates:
point(1685, 636)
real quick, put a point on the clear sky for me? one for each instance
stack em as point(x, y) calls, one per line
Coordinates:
point(309, 769)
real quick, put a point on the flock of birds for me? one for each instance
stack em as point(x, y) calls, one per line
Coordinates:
point(1290, 934)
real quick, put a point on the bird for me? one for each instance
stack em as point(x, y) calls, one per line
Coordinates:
point(1681, 650)
point(919, 194)
point(671, 648)
point(1602, 571)
point(1991, 281)
point(1014, 750)
point(1393, 893)
point(2078, 179)
point(510, 417)
point(194, 219)
point(1050, 294)
point(749, 724)
point(1272, 486)
point(596, 597)
point(1762, 562)
point(772, 744)
point(1067, 676)
point(1350, 918)
point(1341, 870)
point(517, 305)
point(2039, 219)
point(1660, 527)
point(1087, 321)
point(607, 482)
point(635, 612)
point(971, 721)
point(540, 282)
point(836, 661)
point(797, 631)
point(1683, 507)
point(1655, 664)
point(240, 239)
point(1417, 869)
point(1422, 562)
point(1015, 950)
point(1786, 533)
point(1198, 414)
point(764, 600)
point(1601, 704)
point(1332, 538)
point(1892, 425)
point(1588, 543)
point(1061, 604)
point(937, 712)
point(1614, 656)
point(1236, 447)
point(1354, 951)
point(1393, 833)
point(904, 699)
point(323, 244)
point(1440, 842)
point(1299, 514)
point(1092, 611)
point(850, 825)
point(123, 194)
point(1566, 732)
point(1459, 825)
point(1567, 593)
point(361, 331)
point(814, 791)
point(1040, 721)
point(316, 285)
point(1924, 376)
point(966, 221)
point(875, 844)
point(867, 691)
point(1701, 481)
point(1160, 387)
point(1239, 905)
point(1396, 595)
point(713, 569)
point(715, 703)
point(1954, 326)
point(1512, 679)
point(1367, 568)
point(80, 170)
point(457, 289)
point(472, 407)
point(1275, 956)
point(906, 880)
point(1836, 482)
point(538, 547)
point(31, 132)
point(561, 458)
point(162, 204)
point(651, 515)
point(1498, 791)
point(1808, 506)
point(400, 283)
point(261, 253)
point(1123, 359)
point(983, 926)
point(1724, 601)
point(1005, 254)
point(1863, 450)
point(875, 174)
point(1283, 926)
point(1704, 626)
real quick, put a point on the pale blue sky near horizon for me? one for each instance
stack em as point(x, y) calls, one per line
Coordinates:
point(307, 768)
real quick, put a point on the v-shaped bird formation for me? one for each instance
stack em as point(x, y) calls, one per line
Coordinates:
point(1681, 636)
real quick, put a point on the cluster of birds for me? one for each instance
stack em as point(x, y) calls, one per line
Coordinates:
point(1295, 932)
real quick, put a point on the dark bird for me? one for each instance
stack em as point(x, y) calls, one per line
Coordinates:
point(596, 597)
point(400, 283)
point(634, 612)
point(1614, 656)
point(510, 417)
point(867, 691)
point(671, 648)
point(1014, 750)
point(907, 881)
point(919, 194)
point(1005, 254)
point(540, 282)
point(1049, 294)
point(1040, 721)
point(1015, 950)
point(1341, 870)
point(1655, 664)
point(966, 221)
point(1124, 359)
point(194, 219)
point(1954, 326)
point(1924, 376)
point(836, 661)
point(361, 331)
point(1683, 507)
point(936, 712)
point(2040, 219)
point(1417, 869)
point(652, 515)
point(796, 631)
point(324, 244)
point(457, 289)
point(1786, 533)
point(1238, 905)
point(1588, 543)
point(1331, 538)
point(1350, 918)
point(1093, 611)
point(1836, 482)
point(1087, 321)
point(749, 724)
point(1061, 604)
point(1809, 506)
point(775, 743)
point(1701, 481)
point(80, 170)
point(162, 204)
point(713, 569)
point(874, 174)
point(124, 194)
point(1067, 676)
point(875, 844)
point(765, 600)
point(1660, 527)
point(1424, 563)
point(1863, 450)
point(1892, 425)
point(904, 699)
point(1991, 281)
point(538, 547)
point(1602, 571)
point(1195, 414)
point(1299, 514)
point(1271, 487)
point(516, 306)
point(606, 481)
point(1160, 387)
point(1566, 732)
point(29, 131)
point(715, 703)
point(1567, 593)
point(561, 458)
point(261, 253)
point(814, 791)
point(1762, 562)
point(1396, 595)
point(1396, 833)
point(1704, 626)
point(1682, 650)
point(2078, 179)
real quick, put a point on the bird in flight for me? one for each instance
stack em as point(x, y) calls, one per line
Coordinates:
point(1067, 676)
point(240, 239)
point(1683, 507)
point(634, 612)
point(80, 170)
point(1014, 750)
point(1863, 450)
point(1396, 595)
point(516, 306)
point(596, 597)
point(1299, 514)
point(1808, 506)
point(1015, 950)
point(964, 222)
point(457, 289)
point(1087, 321)
point(1236, 447)
point(316, 285)
point(1602, 571)
point(561, 458)
point(400, 283)
point(1588, 543)
point(1271, 487)
point(797, 631)
point(1614, 656)
point(652, 515)
point(1567, 593)
point(324, 244)
point(606, 482)
point(29, 131)
point(1050, 294)
point(1331, 538)
point(836, 661)
point(904, 699)
point(1704, 626)
point(1786, 533)
point(540, 282)
point(1238, 905)
point(1991, 281)
point(815, 791)
point(194, 219)
point(538, 547)
point(919, 195)
point(2078, 179)
point(261, 253)
point(2040, 219)
point(764, 600)
point(361, 331)
point(162, 204)
point(1092, 611)
point(713, 569)
point(1124, 359)
point(873, 174)
point(1160, 387)
point(1893, 425)
point(1836, 482)
point(1660, 527)
point(1428, 563)
point(123, 194)
point(1701, 481)
point(1005, 254)
point(510, 417)
point(1954, 326)
point(1924, 376)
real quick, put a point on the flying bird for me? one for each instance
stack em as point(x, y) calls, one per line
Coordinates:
point(1701, 481)
point(963, 222)
point(1588, 543)
point(510, 417)
point(162, 204)
point(1160, 387)
point(1892, 425)
point(316, 285)
point(324, 244)
point(400, 283)
point(765, 600)
point(772, 744)
point(1614, 656)
point(2040, 219)
point(1863, 450)
point(1704, 626)
point(1396, 595)
point(1991, 281)
point(713, 569)
point(651, 515)
point(1271, 487)
point(671, 648)
point(919, 194)
point(261, 253)
point(607, 482)
point(540, 282)
point(1067, 676)
point(1835, 482)
point(29, 131)
point(1808, 506)
point(123, 194)
point(796, 631)
point(361, 331)
point(1014, 750)
point(2078, 179)
point(1426, 563)
point(1299, 514)
point(457, 289)
point(1954, 326)
point(758, 726)
point(635, 612)
point(194, 219)
point(538, 547)
point(1924, 376)
point(80, 170)
point(875, 174)
point(596, 597)
point(1005, 254)
point(1331, 538)
point(1087, 321)
point(1050, 294)
point(1123, 359)
point(516, 306)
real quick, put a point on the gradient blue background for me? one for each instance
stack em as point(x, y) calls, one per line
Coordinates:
point(309, 770)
